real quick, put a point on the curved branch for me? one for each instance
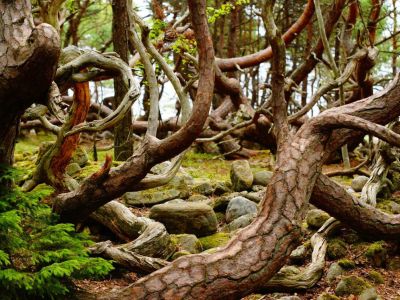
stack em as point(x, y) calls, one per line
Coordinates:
point(231, 64)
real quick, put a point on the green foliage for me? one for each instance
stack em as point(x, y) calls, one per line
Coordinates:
point(38, 256)
point(225, 9)
point(183, 44)
point(157, 30)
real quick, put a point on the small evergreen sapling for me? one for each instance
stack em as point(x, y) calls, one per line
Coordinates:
point(38, 256)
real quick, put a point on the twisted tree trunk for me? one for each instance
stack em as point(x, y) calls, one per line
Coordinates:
point(24, 50)
point(257, 252)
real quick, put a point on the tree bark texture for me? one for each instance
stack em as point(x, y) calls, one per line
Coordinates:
point(258, 251)
point(24, 50)
point(97, 190)
point(123, 147)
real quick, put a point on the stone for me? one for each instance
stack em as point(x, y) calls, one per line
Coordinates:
point(394, 207)
point(72, 169)
point(290, 298)
point(351, 285)
point(375, 277)
point(222, 187)
point(336, 249)
point(358, 183)
point(394, 264)
point(241, 222)
point(221, 203)
point(315, 218)
point(216, 240)
point(298, 255)
point(239, 206)
point(326, 296)
point(257, 188)
point(80, 157)
point(181, 181)
point(334, 271)
point(187, 217)
point(368, 294)
point(255, 196)
point(180, 253)
point(262, 178)
point(187, 242)
point(197, 198)
point(203, 187)
point(241, 175)
point(347, 264)
point(151, 197)
point(376, 254)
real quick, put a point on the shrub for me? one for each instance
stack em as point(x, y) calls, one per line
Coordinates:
point(39, 257)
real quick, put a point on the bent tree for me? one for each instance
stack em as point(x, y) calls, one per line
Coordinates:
point(258, 251)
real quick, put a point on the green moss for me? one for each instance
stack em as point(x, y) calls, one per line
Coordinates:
point(385, 205)
point(31, 144)
point(346, 264)
point(179, 254)
point(220, 217)
point(215, 240)
point(375, 277)
point(202, 165)
point(336, 249)
point(377, 254)
point(351, 285)
point(326, 296)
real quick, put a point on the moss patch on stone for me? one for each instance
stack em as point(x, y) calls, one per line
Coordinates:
point(336, 249)
point(346, 264)
point(377, 254)
point(216, 240)
point(351, 285)
point(375, 277)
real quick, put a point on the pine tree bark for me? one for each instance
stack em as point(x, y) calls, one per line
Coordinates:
point(123, 147)
point(28, 61)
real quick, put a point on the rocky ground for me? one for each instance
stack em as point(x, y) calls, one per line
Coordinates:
point(211, 198)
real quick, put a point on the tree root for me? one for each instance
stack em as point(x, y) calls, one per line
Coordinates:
point(312, 273)
point(128, 259)
point(143, 236)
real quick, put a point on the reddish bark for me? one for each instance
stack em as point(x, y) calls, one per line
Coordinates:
point(80, 109)
point(230, 64)
point(78, 205)
point(254, 255)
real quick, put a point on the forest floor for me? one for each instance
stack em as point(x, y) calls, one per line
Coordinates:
point(380, 270)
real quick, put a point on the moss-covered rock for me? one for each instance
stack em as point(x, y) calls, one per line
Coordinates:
point(346, 264)
point(368, 294)
point(315, 218)
point(375, 277)
point(203, 187)
point(326, 296)
point(222, 187)
point(152, 197)
point(72, 169)
point(394, 264)
point(179, 254)
point(336, 249)
point(351, 285)
point(187, 242)
point(239, 206)
point(334, 271)
point(376, 253)
point(215, 240)
point(241, 175)
point(186, 217)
